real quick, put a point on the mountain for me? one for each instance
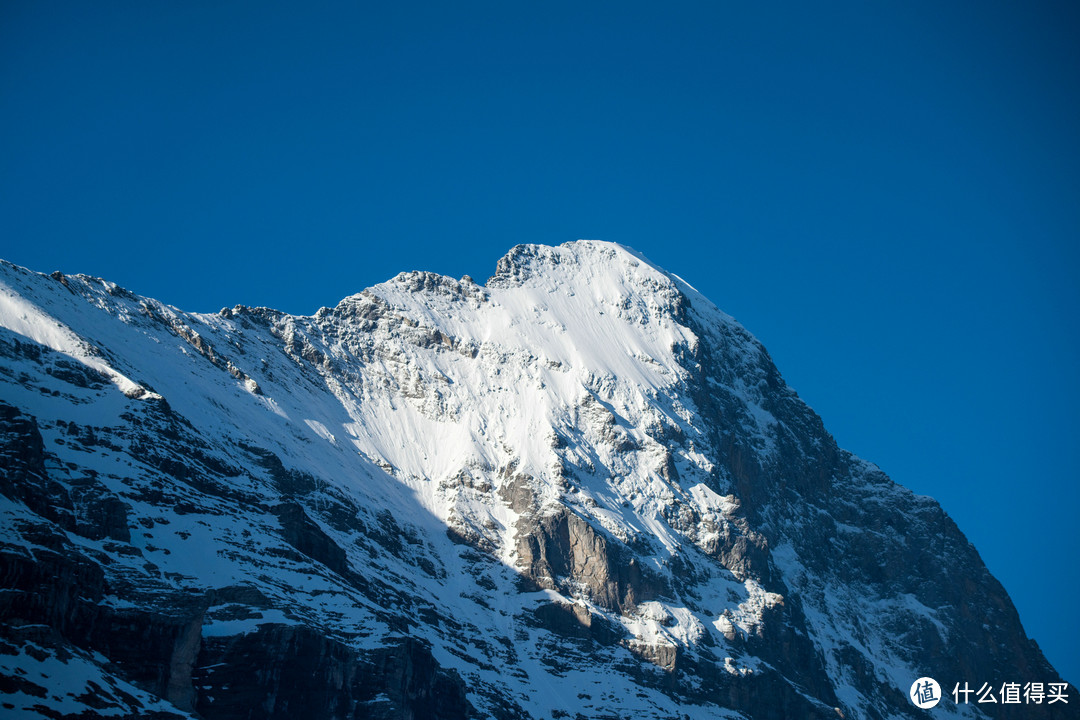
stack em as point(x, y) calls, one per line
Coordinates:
point(577, 491)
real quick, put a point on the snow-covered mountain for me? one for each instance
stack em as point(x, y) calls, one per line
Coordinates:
point(579, 490)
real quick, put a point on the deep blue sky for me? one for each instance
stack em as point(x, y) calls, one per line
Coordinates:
point(886, 194)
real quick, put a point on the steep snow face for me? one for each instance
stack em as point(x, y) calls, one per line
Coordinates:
point(559, 362)
point(580, 488)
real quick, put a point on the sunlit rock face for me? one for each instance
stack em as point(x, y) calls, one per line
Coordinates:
point(579, 490)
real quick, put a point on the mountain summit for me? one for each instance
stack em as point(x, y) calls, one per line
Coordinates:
point(577, 491)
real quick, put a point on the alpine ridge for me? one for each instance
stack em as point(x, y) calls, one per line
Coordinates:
point(579, 490)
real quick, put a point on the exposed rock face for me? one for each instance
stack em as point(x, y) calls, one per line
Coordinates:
point(288, 672)
point(563, 550)
point(578, 491)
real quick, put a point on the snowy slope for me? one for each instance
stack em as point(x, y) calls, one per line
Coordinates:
point(577, 490)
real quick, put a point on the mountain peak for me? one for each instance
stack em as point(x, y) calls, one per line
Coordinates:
point(442, 499)
point(580, 257)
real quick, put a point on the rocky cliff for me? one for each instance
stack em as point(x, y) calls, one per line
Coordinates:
point(579, 490)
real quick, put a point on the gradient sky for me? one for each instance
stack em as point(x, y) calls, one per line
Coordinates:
point(887, 194)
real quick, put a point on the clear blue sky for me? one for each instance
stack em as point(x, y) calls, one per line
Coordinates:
point(887, 194)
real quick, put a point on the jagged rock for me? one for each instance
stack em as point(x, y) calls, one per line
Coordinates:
point(576, 621)
point(306, 536)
